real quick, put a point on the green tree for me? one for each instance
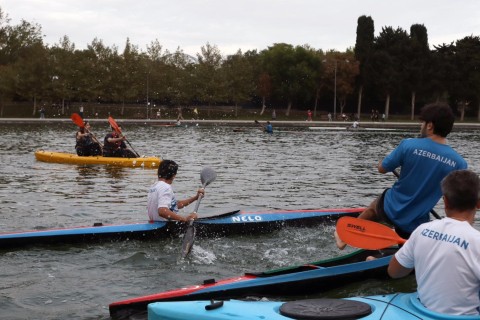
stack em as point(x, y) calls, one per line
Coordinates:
point(363, 54)
point(294, 73)
point(467, 61)
point(210, 81)
point(239, 75)
point(341, 71)
point(417, 63)
point(388, 61)
point(61, 68)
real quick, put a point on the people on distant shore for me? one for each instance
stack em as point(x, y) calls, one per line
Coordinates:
point(114, 146)
point(445, 253)
point(424, 162)
point(86, 143)
point(42, 113)
point(162, 204)
point(309, 115)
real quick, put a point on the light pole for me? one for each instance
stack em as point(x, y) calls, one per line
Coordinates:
point(335, 94)
point(148, 76)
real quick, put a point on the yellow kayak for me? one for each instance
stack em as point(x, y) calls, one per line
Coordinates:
point(64, 157)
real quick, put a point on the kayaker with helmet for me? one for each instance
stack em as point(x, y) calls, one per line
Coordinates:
point(86, 144)
point(445, 253)
point(114, 146)
point(162, 204)
point(424, 162)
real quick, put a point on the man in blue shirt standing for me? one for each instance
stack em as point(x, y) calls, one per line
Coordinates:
point(424, 162)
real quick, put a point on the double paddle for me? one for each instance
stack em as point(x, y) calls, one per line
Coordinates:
point(207, 176)
point(366, 234)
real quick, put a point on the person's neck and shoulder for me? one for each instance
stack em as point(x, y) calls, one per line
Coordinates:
point(162, 184)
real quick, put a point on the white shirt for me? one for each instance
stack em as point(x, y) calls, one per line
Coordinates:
point(446, 256)
point(160, 195)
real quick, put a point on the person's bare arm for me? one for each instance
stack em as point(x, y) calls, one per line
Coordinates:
point(396, 270)
point(380, 168)
point(170, 215)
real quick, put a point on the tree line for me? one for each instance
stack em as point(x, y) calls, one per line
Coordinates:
point(395, 72)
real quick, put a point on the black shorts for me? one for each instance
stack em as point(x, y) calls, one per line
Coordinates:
point(382, 216)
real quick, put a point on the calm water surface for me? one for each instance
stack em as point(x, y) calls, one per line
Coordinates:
point(292, 169)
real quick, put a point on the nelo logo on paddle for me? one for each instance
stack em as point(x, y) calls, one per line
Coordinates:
point(355, 227)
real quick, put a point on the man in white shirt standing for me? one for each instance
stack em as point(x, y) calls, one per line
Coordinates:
point(446, 253)
point(162, 204)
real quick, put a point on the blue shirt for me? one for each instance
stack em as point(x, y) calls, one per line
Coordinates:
point(269, 128)
point(424, 163)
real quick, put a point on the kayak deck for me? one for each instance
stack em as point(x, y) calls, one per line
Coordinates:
point(405, 306)
point(71, 158)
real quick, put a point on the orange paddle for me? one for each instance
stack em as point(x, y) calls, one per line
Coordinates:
point(117, 129)
point(114, 125)
point(77, 120)
point(367, 234)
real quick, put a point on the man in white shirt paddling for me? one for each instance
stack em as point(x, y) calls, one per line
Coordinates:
point(446, 253)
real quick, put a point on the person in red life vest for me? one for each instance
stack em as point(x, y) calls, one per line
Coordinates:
point(114, 146)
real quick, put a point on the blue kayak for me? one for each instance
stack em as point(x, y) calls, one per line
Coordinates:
point(297, 280)
point(399, 306)
point(213, 224)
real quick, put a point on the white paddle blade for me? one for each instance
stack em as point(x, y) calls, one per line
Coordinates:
point(207, 176)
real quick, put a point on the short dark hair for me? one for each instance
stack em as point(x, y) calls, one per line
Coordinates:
point(461, 188)
point(167, 169)
point(441, 115)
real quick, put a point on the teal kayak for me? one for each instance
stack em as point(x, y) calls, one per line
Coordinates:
point(398, 306)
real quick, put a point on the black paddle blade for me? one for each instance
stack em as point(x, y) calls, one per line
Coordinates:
point(188, 240)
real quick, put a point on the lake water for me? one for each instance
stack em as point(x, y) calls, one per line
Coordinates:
point(291, 169)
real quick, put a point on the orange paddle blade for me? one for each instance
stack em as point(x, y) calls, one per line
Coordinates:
point(114, 125)
point(366, 234)
point(77, 120)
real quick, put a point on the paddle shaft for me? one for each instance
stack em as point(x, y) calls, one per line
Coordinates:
point(197, 205)
point(136, 153)
point(207, 176)
point(432, 211)
point(261, 125)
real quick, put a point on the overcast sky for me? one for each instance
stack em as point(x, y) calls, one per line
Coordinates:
point(241, 24)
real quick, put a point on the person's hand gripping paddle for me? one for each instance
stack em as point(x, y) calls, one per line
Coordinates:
point(207, 176)
point(366, 234)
